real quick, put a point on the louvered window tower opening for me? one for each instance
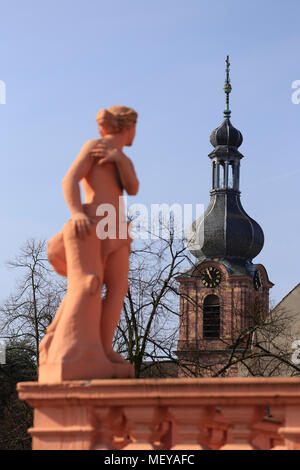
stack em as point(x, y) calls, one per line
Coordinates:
point(211, 317)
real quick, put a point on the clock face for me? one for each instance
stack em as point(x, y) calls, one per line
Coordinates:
point(210, 276)
point(257, 280)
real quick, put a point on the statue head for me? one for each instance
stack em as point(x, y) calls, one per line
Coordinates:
point(117, 119)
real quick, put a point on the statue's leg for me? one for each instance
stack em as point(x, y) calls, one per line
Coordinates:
point(57, 258)
point(53, 325)
point(47, 339)
point(116, 282)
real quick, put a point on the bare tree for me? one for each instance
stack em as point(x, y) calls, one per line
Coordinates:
point(271, 345)
point(24, 317)
point(147, 333)
point(27, 312)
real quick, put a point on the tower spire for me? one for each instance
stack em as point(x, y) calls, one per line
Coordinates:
point(227, 88)
point(226, 138)
point(228, 230)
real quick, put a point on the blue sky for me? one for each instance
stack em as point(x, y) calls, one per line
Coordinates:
point(64, 60)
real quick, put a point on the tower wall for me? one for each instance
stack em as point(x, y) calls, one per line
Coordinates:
point(241, 305)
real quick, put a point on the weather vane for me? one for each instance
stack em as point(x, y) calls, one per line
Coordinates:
point(227, 88)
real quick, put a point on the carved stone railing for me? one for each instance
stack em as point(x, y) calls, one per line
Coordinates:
point(168, 414)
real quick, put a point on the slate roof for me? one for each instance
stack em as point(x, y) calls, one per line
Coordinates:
point(225, 230)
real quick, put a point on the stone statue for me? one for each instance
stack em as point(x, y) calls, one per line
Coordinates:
point(78, 343)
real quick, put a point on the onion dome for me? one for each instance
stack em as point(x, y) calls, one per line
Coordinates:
point(227, 135)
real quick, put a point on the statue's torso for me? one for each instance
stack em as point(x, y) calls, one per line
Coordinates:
point(102, 184)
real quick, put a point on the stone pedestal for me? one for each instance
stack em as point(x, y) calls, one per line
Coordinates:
point(167, 414)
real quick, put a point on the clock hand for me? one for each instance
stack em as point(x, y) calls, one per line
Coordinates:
point(207, 270)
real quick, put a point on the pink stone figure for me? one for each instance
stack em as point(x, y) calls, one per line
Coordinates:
point(78, 343)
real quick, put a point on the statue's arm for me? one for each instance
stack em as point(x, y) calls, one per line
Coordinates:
point(78, 170)
point(127, 175)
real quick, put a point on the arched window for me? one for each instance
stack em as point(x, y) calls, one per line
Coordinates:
point(211, 317)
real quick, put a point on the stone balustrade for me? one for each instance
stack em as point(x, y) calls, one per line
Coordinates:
point(169, 414)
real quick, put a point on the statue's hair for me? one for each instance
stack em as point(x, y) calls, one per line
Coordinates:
point(116, 118)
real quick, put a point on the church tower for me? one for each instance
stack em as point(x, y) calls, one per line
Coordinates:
point(224, 293)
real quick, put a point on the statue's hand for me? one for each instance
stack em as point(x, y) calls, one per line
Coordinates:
point(82, 224)
point(105, 153)
point(99, 151)
point(112, 156)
